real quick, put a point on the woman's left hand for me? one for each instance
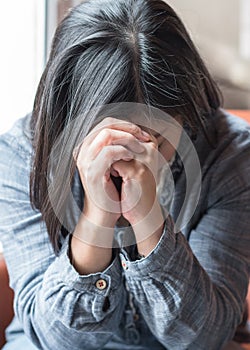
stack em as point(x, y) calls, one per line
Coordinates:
point(139, 204)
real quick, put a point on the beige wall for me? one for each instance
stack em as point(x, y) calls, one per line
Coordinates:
point(217, 29)
point(216, 19)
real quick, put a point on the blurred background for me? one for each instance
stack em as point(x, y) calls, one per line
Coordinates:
point(220, 29)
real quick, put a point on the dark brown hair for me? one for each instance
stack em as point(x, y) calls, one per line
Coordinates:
point(109, 51)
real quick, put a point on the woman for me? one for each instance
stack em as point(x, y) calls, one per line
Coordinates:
point(153, 259)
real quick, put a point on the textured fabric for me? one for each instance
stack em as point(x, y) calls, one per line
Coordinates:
point(187, 294)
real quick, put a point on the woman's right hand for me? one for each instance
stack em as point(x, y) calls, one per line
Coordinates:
point(110, 141)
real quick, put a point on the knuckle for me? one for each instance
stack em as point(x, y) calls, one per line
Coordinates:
point(130, 137)
point(109, 121)
point(105, 134)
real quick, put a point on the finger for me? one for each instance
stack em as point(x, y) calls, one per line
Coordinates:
point(122, 125)
point(110, 155)
point(149, 159)
point(114, 172)
point(153, 142)
point(127, 170)
point(116, 125)
point(115, 137)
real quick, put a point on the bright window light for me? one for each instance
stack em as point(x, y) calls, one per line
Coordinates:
point(22, 28)
point(245, 28)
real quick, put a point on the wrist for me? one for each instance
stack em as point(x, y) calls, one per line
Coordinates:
point(146, 246)
point(88, 259)
point(149, 230)
point(96, 233)
point(99, 217)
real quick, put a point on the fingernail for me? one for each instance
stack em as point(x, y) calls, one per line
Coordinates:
point(145, 134)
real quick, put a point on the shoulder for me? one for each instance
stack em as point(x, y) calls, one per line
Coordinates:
point(15, 154)
point(227, 133)
point(232, 128)
point(232, 145)
point(17, 141)
point(228, 161)
point(227, 141)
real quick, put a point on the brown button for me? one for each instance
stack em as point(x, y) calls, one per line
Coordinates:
point(124, 265)
point(101, 284)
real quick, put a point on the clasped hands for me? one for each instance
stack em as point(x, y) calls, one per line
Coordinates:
point(118, 148)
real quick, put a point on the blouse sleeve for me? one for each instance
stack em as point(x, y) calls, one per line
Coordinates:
point(57, 308)
point(192, 292)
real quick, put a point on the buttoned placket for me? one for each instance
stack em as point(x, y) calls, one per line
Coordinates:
point(131, 333)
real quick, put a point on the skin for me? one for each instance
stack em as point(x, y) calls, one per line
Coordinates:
point(118, 148)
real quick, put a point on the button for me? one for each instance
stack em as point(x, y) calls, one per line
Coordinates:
point(101, 284)
point(124, 265)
